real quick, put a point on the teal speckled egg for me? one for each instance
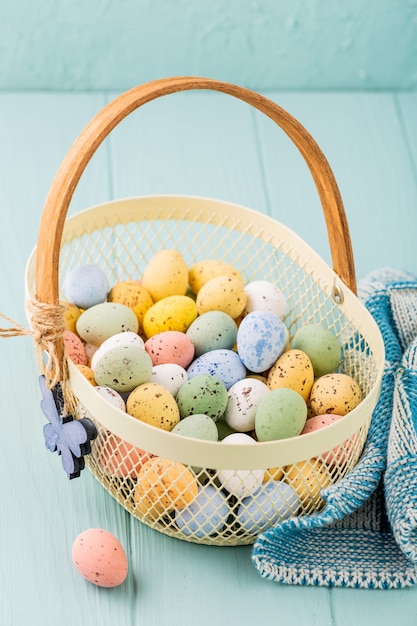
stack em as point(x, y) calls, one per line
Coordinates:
point(197, 426)
point(281, 413)
point(321, 346)
point(123, 368)
point(213, 330)
point(104, 320)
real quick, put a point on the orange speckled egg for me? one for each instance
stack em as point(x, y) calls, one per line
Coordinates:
point(71, 313)
point(166, 275)
point(203, 271)
point(308, 478)
point(164, 485)
point(118, 457)
point(224, 293)
point(335, 393)
point(87, 372)
point(100, 558)
point(133, 295)
point(74, 348)
point(293, 370)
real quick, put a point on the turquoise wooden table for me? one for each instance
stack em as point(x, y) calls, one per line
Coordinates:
point(204, 144)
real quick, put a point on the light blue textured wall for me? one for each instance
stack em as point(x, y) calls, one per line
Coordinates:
point(263, 44)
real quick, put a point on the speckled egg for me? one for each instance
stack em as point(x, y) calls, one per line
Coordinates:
point(170, 376)
point(340, 455)
point(308, 479)
point(123, 368)
point(213, 330)
point(100, 558)
point(240, 483)
point(86, 286)
point(293, 370)
point(74, 348)
point(170, 346)
point(101, 321)
point(198, 426)
point(202, 394)
point(224, 293)
point(87, 372)
point(335, 393)
point(117, 457)
point(116, 341)
point(133, 295)
point(112, 396)
point(164, 485)
point(261, 339)
point(71, 314)
point(272, 503)
point(153, 404)
point(224, 364)
point(171, 313)
point(321, 345)
point(203, 271)
point(243, 400)
point(281, 414)
point(166, 275)
point(262, 295)
point(207, 514)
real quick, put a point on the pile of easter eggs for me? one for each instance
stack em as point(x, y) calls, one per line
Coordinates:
point(200, 352)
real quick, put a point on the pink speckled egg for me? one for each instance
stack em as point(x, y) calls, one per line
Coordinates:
point(100, 558)
point(74, 348)
point(170, 346)
point(340, 455)
point(119, 458)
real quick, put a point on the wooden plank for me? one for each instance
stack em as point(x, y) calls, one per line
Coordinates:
point(361, 136)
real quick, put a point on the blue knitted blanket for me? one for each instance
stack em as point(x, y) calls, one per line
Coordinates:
point(366, 534)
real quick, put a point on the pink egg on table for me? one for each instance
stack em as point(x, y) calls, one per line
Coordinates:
point(100, 558)
point(74, 348)
point(340, 455)
point(170, 346)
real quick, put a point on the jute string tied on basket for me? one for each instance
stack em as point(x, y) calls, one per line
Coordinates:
point(47, 330)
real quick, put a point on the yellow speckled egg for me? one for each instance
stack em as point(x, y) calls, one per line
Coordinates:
point(203, 271)
point(166, 275)
point(171, 313)
point(164, 485)
point(293, 370)
point(133, 295)
point(273, 473)
point(224, 293)
point(308, 478)
point(71, 314)
point(87, 372)
point(335, 393)
point(153, 404)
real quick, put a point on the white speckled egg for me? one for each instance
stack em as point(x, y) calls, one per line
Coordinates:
point(243, 399)
point(240, 483)
point(224, 364)
point(213, 330)
point(111, 396)
point(261, 339)
point(101, 321)
point(262, 295)
point(86, 286)
point(169, 375)
point(123, 368)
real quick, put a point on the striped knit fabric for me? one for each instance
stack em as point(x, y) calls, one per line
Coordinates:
point(366, 534)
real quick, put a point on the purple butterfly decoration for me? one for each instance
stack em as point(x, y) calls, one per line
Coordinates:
point(68, 437)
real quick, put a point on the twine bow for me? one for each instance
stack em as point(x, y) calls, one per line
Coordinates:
point(47, 330)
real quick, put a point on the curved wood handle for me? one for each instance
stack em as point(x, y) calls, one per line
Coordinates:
point(80, 153)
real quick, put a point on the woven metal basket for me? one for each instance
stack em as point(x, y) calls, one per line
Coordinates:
point(177, 484)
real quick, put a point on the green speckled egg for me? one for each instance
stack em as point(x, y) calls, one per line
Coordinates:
point(104, 320)
point(198, 426)
point(123, 368)
point(203, 394)
point(321, 345)
point(282, 413)
point(213, 330)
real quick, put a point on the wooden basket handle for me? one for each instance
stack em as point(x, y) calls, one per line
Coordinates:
point(82, 150)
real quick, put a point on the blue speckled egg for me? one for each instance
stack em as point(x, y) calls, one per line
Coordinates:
point(206, 515)
point(274, 502)
point(261, 339)
point(86, 286)
point(213, 330)
point(224, 364)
